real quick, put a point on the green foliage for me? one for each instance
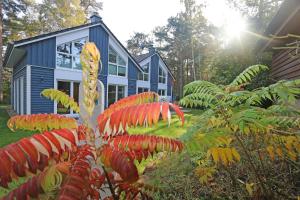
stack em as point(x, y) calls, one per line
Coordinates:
point(247, 143)
point(208, 95)
point(248, 74)
point(174, 179)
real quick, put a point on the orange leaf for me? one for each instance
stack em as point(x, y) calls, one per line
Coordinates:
point(137, 114)
point(40, 122)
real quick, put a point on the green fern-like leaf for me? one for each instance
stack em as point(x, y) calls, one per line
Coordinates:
point(248, 74)
point(198, 100)
point(201, 87)
point(282, 121)
point(286, 110)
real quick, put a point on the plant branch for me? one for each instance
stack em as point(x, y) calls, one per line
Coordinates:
point(109, 184)
point(251, 163)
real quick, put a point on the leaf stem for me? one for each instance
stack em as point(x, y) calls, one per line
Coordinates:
point(109, 184)
point(251, 163)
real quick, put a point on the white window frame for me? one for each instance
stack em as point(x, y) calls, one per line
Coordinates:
point(116, 64)
point(143, 73)
point(162, 76)
point(116, 97)
point(72, 55)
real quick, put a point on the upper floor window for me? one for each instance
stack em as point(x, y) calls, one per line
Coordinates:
point(162, 76)
point(116, 64)
point(68, 54)
point(144, 76)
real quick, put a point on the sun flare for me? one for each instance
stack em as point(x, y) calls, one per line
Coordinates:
point(235, 28)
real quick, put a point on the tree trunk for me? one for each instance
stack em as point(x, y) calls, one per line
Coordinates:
point(180, 75)
point(193, 65)
point(1, 57)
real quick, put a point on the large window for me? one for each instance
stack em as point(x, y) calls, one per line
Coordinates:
point(71, 89)
point(116, 64)
point(115, 93)
point(162, 92)
point(68, 54)
point(141, 90)
point(161, 75)
point(144, 76)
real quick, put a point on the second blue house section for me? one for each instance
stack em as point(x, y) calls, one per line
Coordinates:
point(52, 61)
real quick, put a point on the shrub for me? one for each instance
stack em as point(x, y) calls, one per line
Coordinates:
point(92, 160)
point(252, 149)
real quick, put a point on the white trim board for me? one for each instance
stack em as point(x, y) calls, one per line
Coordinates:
point(72, 36)
point(116, 80)
point(67, 74)
point(144, 84)
point(28, 89)
point(55, 35)
point(21, 95)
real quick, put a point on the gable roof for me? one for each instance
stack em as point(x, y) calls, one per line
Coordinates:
point(141, 57)
point(12, 45)
point(285, 21)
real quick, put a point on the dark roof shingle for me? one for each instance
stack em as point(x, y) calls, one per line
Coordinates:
point(140, 58)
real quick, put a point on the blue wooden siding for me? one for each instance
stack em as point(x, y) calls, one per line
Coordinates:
point(20, 72)
point(41, 53)
point(100, 37)
point(41, 78)
point(132, 77)
point(170, 80)
point(154, 73)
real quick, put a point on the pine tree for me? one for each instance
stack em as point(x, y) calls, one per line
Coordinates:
point(138, 42)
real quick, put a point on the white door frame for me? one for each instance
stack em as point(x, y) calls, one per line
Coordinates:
point(21, 95)
point(18, 95)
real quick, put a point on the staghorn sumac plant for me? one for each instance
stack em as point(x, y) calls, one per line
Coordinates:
point(252, 150)
point(72, 160)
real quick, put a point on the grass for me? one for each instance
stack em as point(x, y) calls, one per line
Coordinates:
point(175, 130)
point(6, 135)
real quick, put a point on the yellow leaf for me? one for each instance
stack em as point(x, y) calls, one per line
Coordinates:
point(246, 130)
point(204, 173)
point(229, 155)
point(225, 140)
point(214, 153)
point(270, 150)
point(292, 155)
point(235, 154)
point(249, 188)
point(279, 152)
point(222, 154)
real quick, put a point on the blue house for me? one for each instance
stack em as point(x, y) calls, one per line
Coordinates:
point(52, 61)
